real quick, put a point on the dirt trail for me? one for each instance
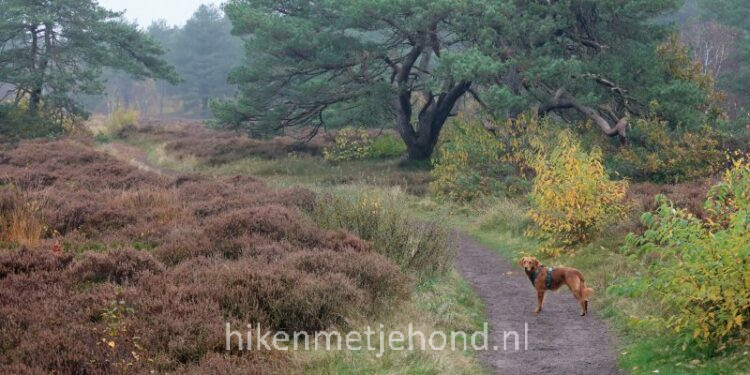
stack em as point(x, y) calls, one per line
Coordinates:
point(559, 340)
point(136, 157)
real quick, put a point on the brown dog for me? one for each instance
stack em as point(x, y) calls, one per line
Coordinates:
point(538, 274)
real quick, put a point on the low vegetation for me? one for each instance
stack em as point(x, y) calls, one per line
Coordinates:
point(125, 270)
point(358, 144)
point(504, 221)
point(422, 247)
point(590, 134)
point(697, 268)
point(478, 159)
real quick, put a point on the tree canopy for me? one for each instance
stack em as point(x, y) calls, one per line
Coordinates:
point(53, 50)
point(734, 14)
point(409, 62)
point(351, 62)
point(204, 52)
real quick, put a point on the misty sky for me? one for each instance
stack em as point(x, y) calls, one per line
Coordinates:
point(176, 12)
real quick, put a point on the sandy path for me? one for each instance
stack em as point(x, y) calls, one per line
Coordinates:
point(136, 157)
point(559, 340)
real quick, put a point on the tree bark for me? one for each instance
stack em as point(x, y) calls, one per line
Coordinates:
point(421, 142)
point(40, 61)
point(35, 93)
point(618, 130)
point(204, 105)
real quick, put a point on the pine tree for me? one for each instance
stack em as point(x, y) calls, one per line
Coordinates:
point(408, 62)
point(204, 52)
point(54, 50)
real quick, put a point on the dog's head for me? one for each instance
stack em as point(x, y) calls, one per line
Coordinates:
point(529, 263)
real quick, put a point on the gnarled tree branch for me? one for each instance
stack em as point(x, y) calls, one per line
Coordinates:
point(560, 102)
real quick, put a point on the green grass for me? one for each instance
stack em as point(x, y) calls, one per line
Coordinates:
point(444, 303)
point(658, 353)
point(300, 169)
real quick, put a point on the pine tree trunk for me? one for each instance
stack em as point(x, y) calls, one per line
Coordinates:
point(421, 142)
point(35, 92)
point(419, 152)
point(40, 63)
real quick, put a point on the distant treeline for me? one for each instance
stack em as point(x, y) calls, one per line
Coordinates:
point(203, 51)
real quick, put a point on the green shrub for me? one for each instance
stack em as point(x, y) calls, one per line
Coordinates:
point(472, 162)
point(387, 146)
point(478, 158)
point(573, 197)
point(504, 215)
point(19, 122)
point(424, 247)
point(357, 144)
point(731, 195)
point(699, 273)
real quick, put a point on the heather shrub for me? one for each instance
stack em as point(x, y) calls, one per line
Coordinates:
point(212, 147)
point(40, 164)
point(25, 261)
point(573, 197)
point(224, 364)
point(183, 243)
point(371, 272)
point(273, 221)
point(689, 195)
point(699, 276)
point(116, 266)
point(424, 247)
point(190, 253)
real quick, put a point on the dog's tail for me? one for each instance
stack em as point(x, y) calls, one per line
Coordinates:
point(586, 292)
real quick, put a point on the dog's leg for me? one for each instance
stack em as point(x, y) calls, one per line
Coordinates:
point(540, 300)
point(581, 301)
point(577, 287)
point(586, 293)
point(583, 304)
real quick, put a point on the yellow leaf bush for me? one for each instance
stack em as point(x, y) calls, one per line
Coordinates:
point(573, 197)
point(659, 154)
point(349, 144)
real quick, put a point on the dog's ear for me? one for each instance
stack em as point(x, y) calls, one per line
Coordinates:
point(537, 263)
point(520, 262)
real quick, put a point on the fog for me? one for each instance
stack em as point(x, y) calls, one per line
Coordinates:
point(176, 12)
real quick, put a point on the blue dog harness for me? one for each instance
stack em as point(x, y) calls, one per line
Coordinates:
point(548, 281)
